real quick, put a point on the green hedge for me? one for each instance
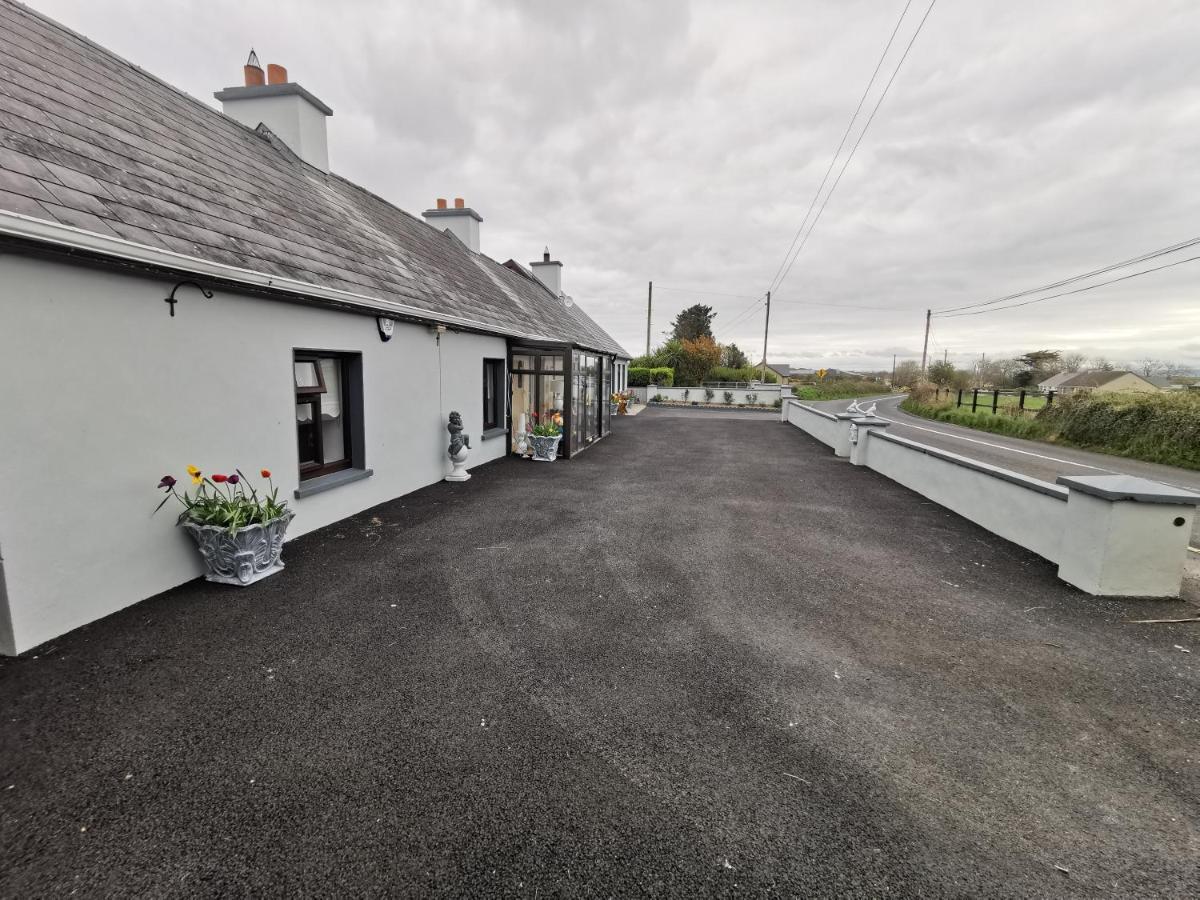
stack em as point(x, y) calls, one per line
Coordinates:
point(747, 373)
point(1161, 428)
point(640, 376)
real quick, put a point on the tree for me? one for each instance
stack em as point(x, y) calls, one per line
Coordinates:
point(733, 357)
point(694, 322)
point(1147, 367)
point(908, 373)
point(697, 357)
point(1072, 362)
point(942, 373)
point(1100, 364)
point(1036, 366)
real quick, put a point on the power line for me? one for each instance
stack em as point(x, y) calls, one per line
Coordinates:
point(858, 141)
point(849, 126)
point(1090, 287)
point(843, 305)
point(1153, 254)
point(748, 311)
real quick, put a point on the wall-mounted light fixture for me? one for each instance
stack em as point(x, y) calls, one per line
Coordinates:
point(387, 327)
point(171, 299)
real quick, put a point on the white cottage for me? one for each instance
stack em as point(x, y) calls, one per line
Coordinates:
point(181, 286)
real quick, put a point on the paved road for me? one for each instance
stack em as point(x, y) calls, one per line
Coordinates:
point(1042, 461)
point(706, 658)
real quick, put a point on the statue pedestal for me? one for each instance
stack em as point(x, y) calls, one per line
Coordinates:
point(459, 461)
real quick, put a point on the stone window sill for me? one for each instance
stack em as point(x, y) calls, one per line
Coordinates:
point(330, 481)
point(493, 433)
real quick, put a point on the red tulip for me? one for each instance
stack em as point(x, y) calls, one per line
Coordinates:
point(219, 479)
point(233, 479)
point(265, 473)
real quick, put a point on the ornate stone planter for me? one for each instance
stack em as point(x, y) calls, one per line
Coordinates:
point(249, 555)
point(545, 449)
point(613, 408)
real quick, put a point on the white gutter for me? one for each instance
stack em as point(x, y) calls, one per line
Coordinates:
point(54, 233)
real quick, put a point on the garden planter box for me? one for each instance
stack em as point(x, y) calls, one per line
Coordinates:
point(249, 555)
point(545, 449)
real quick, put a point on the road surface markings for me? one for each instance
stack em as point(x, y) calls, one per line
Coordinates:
point(960, 437)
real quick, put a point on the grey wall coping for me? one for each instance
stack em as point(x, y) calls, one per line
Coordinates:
point(271, 90)
point(1129, 487)
point(452, 211)
point(819, 412)
point(1033, 484)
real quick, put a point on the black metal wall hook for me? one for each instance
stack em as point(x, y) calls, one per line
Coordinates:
point(171, 299)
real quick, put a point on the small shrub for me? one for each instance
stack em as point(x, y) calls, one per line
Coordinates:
point(686, 394)
point(657, 398)
point(751, 399)
point(729, 398)
point(708, 395)
point(661, 376)
point(778, 404)
point(840, 389)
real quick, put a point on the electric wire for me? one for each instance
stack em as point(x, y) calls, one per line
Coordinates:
point(857, 142)
point(1090, 287)
point(1152, 254)
point(833, 159)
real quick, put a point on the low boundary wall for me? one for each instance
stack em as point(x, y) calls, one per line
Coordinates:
point(1111, 535)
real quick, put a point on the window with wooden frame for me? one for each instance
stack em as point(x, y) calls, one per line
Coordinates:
point(494, 406)
point(328, 411)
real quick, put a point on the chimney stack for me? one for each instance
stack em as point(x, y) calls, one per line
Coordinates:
point(549, 272)
point(294, 115)
point(461, 221)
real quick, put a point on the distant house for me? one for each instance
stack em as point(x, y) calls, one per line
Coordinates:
point(1116, 381)
point(787, 373)
point(1052, 383)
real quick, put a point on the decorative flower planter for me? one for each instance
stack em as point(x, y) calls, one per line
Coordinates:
point(545, 449)
point(249, 555)
point(612, 408)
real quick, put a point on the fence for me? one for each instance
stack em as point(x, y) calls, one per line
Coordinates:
point(1020, 402)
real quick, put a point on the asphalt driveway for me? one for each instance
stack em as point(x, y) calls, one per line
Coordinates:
point(705, 657)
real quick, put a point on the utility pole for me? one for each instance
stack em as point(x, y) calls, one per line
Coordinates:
point(945, 356)
point(925, 349)
point(893, 382)
point(766, 331)
point(649, 304)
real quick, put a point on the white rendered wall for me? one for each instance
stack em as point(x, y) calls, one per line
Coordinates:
point(1026, 517)
point(105, 393)
point(294, 121)
point(767, 394)
point(826, 428)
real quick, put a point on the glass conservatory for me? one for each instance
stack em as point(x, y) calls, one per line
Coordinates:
point(557, 381)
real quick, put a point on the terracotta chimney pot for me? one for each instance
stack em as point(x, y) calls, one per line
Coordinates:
point(441, 203)
point(276, 74)
point(459, 203)
point(254, 76)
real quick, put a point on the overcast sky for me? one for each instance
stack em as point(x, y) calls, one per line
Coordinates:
point(681, 142)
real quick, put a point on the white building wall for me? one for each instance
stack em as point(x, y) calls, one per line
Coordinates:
point(105, 393)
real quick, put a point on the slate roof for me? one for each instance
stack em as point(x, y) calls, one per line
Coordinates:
point(92, 141)
point(1056, 380)
point(1095, 379)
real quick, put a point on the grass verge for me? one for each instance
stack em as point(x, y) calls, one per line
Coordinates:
point(1158, 428)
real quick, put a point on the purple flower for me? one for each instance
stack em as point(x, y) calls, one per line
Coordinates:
point(167, 482)
point(233, 479)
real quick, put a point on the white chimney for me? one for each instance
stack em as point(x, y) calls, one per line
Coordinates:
point(462, 221)
point(294, 115)
point(549, 273)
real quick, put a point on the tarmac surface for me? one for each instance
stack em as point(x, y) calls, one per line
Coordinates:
point(703, 658)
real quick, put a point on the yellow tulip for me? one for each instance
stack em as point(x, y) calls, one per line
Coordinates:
point(193, 471)
point(197, 478)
